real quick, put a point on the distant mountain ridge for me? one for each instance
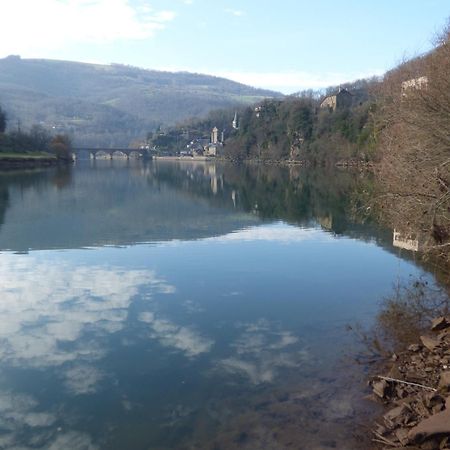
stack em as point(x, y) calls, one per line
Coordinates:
point(110, 105)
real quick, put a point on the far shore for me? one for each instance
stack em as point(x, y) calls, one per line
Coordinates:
point(32, 159)
point(184, 158)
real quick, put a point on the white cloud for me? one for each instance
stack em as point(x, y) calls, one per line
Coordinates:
point(261, 351)
point(293, 81)
point(235, 12)
point(73, 440)
point(277, 232)
point(82, 379)
point(285, 81)
point(46, 303)
point(30, 27)
point(19, 412)
point(185, 339)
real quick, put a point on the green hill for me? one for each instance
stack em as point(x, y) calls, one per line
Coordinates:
point(110, 105)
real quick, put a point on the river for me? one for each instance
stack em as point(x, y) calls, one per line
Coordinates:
point(190, 305)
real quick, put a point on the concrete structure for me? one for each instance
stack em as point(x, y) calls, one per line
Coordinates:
point(343, 99)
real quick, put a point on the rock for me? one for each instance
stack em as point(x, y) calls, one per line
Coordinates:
point(395, 416)
point(444, 381)
point(414, 347)
point(402, 435)
point(439, 424)
point(429, 343)
point(415, 377)
point(407, 448)
point(394, 372)
point(433, 399)
point(380, 388)
point(439, 324)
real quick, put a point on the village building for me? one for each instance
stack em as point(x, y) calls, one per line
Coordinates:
point(213, 147)
point(210, 150)
point(343, 99)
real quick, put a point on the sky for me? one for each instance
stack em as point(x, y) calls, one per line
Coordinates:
point(284, 45)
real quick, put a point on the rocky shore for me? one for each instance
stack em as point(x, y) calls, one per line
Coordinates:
point(416, 393)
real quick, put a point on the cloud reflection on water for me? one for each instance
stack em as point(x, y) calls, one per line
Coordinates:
point(258, 352)
point(276, 232)
point(44, 304)
point(55, 313)
point(25, 426)
point(186, 339)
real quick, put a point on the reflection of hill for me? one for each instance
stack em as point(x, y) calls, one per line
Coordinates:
point(108, 207)
point(333, 200)
point(119, 203)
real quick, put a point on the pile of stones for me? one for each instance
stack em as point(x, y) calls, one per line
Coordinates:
point(417, 392)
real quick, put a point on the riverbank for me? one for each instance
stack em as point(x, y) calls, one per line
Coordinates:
point(184, 158)
point(29, 160)
point(416, 391)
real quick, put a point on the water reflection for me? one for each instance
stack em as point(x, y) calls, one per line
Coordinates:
point(188, 341)
point(161, 201)
point(47, 308)
point(259, 352)
point(223, 328)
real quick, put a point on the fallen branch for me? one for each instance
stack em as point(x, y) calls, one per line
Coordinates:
point(383, 440)
point(395, 380)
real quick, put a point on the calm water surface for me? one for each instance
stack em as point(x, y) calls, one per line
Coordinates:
point(179, 306)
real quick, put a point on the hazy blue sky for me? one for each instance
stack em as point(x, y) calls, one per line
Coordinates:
point(285, 45)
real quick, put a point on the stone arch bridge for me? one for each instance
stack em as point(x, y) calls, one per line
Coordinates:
point(111, 152)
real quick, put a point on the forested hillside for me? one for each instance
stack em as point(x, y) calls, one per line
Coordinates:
point(297, 127)
point(110, 105)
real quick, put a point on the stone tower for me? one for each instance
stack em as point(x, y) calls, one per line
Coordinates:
point(214, 136)
point(235, 122)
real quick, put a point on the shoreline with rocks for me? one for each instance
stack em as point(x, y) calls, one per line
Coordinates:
point(416, 392)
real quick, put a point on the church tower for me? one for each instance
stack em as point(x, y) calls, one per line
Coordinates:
point(214, 136)
point(235, 122)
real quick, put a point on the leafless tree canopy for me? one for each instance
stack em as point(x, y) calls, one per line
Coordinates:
point(413, 125)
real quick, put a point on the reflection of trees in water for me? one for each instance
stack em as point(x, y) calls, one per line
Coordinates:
point(4, 203)
point(298, 195)
point(408, 312)
point(403, 316)
point(62, 176)
point(38, 179)
point(304, 196)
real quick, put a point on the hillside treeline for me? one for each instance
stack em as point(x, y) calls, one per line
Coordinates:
point(295, 128)
point(400, 122)
point(110, 105)
point(37, 141)
point(412, 127)
point(299, 128)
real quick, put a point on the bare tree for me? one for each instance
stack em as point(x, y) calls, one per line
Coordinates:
point(413, 125)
